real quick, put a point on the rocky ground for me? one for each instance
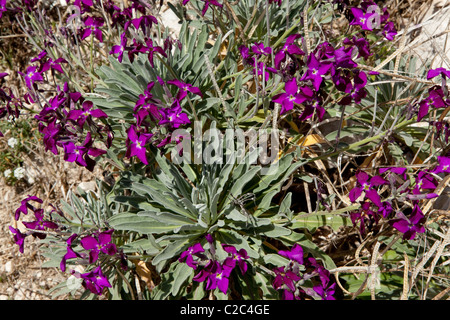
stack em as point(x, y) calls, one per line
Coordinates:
point(21, 275)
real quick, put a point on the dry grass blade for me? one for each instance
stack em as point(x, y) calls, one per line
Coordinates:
point(438, 255)
point(405, 278)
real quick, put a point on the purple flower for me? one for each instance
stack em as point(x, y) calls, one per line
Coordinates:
point(40, 224)
point(142, 22)
point(207, 3)
point(95, 281)
point(361, 44)
point(285, 279)
point(93, 25)
point(316, 71)
point(444, 165)
point(366, 185)
point(325, 293)
point(120, 49)
point(409, 226)
point(386, 209)
point(292, 96)
point(188, 255)
point(2, 7)
point(435, 98)
point(236, 257)
point(216, 276)
point(363, 19)
point(424, 180)
point(53, 64)
point(438, 71)
point(19, 238)
point(101, 243)
point(31, 76)
point(247, 59)
point(70, 254)
point(80, 116)
point(25, 205)
point(184, 88)
point(289, 48)
point(51, 133)
point(313, 105)
point(295, 254)
point(80, 154)
point(174, 116)
point(389, 31)
point(152, 50)
point(365, 214)
point(260, 50)
point(136, 144)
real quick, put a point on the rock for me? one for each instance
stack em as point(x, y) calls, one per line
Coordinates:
point(8, 267)
point(88, 186)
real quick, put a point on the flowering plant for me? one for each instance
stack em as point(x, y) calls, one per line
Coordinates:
point(218, 147)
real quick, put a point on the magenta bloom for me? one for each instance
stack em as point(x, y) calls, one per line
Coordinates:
point(444, 165)
point(363, 216)
point(438, 71)
point(260, 50)
point(19, 238)
point(70, 254)
point(435, 99)
point(325, 293)
point(292, 96)
point(174, 116)
point(285, 278)
point(209, 2)
point(95, 281)
point(142, 22)
point(237, 257)
point(80, 116)
point(366, 185)
point(216, 276)
point(184, 88)
point(24, 206)
point(363, 19)
point(190, 253)
point(152, 50)
point(389, 31)
point(102, 243)
point(295, 254)
point(289, 48)
point(80, 154)
point(120, 49)
point(411, 225)
point(316, 71)
point(53, 64)
point(136, 144)
point(31, 76)
point(93, 25)
point(40, 224)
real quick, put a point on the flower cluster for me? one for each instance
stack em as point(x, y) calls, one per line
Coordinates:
point(95, 245)
point(370, 17)
point(214, 272)
point(62, 123)
point(324, 63)
point(9, 104)
point(438, 96)
point(37, 228)
point(161, 116)
point(403, 188)
point(302, 277)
